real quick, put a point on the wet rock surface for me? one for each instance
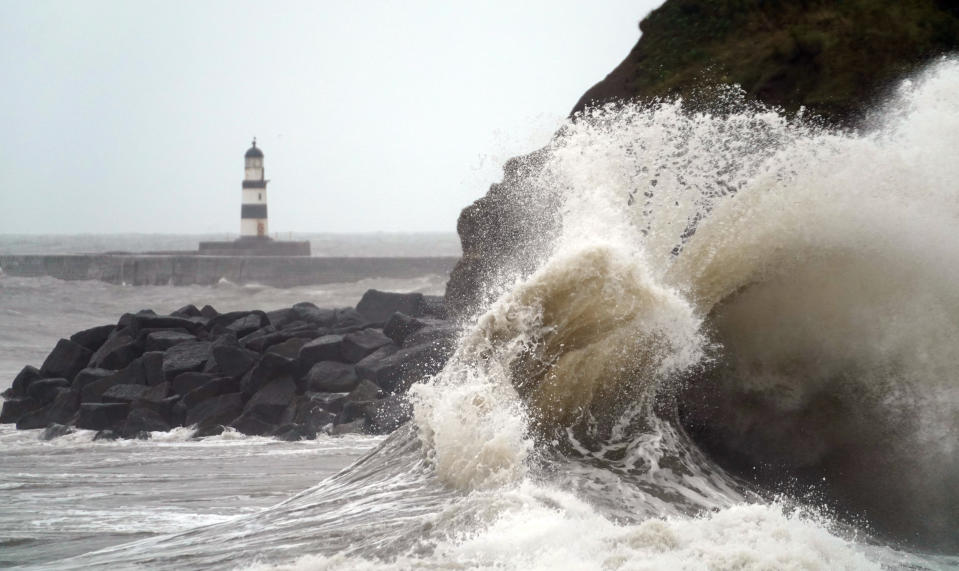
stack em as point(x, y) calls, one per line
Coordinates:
point(290, 373)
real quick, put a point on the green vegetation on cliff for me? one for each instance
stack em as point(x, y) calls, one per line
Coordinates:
point(832, 56)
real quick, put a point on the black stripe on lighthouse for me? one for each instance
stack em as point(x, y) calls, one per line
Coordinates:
point(253, 211)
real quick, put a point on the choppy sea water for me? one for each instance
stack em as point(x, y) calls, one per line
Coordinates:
point(73, 495)
point(733, 348)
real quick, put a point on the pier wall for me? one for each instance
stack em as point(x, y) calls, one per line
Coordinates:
point(276, 271)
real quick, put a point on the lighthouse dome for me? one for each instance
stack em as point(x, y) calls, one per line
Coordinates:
point(253, 152)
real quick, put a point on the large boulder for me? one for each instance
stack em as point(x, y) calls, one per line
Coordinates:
point(269, 403)
point(119, 350)
point(60, 411)
point(395, 370)
point(230, 359)
point(215, 387)
point(382, 415)
point(217, 411)
point(144, 420)
point(123, 393)
point(357, 345)
point(190, 381)
point(272, 367)
point(45, 390)
point(306, 311)
point(89, 375)
point(164, 339)
point(93, 338)
point(23, 379)
point(248, 324)
point(325, 348)
point(331, 377)
point(15, 408)
point(377, 306)
point(400, 326)
point(66, 360)
point(185, 357)
point(289, 348)
point(102, 416)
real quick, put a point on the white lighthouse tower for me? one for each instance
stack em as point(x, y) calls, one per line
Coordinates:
point(254, 237)
point(253, 218)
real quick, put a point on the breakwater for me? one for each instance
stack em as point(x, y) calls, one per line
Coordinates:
point(191, 269)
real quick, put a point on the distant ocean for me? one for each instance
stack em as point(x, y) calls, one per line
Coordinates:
point(378, 244)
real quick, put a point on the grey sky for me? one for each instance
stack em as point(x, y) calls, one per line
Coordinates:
point(133, 116)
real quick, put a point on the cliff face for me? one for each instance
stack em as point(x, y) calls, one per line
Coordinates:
point(833, 57)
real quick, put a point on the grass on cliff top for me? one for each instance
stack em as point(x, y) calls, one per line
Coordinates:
point(832, 57)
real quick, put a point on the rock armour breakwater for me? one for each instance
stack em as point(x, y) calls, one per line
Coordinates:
point(289, 373)
point(184, 269)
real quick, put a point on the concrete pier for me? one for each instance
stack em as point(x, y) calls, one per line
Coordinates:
point(184, 269)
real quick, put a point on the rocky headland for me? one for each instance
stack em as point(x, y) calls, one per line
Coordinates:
point(290, 373)
point(835, 60)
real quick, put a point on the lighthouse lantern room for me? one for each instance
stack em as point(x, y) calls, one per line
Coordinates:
point(253, 218)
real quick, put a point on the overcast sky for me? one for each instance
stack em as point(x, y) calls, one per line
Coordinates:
point(133, 116)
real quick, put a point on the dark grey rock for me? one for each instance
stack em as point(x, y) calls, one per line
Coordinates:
point(434, 306)
point(93, 391)
point(187, 382)
point(66, 360)
point(252, 425)
point(123, 393)
point(377, 306)
point(144, 420)
point(356, 346)
point(217, 411)
point(306, 311)
point(164, 339)
point(232, 360)
point(140, 322)
point(23, 379)
point(440, 335)
point(365, 391)
point(88, 375)
point(208, 312)
point(45, 390)
point(248, 324)
point(272, 367)
point(56, 431)
point(269, 403)
point(280, 317)
point(395, 372)
point(93, 338)
point(117, 352)
point(14, 408)
point(349, 318)
point(152, 364)
point(60, 411)
point(400, 326)
point(215, 387)
point(289, 348)
point(312, 413)
point(325, 348)
point(185, 357)
point(187, 311)
point(333, 377)
point(386, 415)
point(102, 416)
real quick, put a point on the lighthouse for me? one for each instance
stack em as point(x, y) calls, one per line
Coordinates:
point(254, 237)
point(253, 219)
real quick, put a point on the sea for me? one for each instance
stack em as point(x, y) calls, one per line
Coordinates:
point(731, 347)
